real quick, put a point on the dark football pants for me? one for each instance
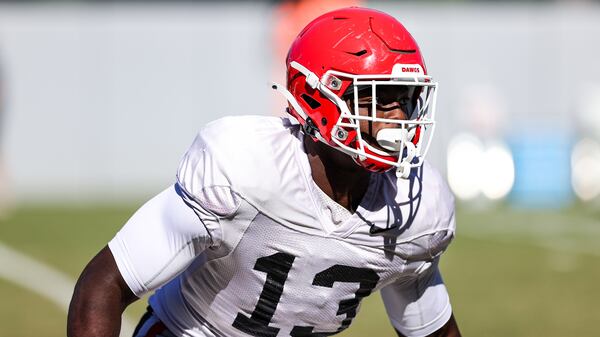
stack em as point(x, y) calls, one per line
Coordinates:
point(151, 326)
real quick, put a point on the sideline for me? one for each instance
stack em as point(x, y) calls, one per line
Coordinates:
point(43, 280)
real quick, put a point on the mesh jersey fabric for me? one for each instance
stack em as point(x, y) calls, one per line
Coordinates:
point(331, 209)
point(274, 262)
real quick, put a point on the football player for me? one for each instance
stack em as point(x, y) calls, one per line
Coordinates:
point(281, 226)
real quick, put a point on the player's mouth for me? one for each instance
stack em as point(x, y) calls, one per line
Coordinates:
point(373, 143)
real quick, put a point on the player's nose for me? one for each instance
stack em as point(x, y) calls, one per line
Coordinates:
point(393, 112)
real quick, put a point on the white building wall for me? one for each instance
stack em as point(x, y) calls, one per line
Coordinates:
point(103, 99)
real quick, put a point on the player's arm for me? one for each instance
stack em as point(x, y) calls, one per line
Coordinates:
point(450, 329)
point(100, 297)
point(159, 241)
point(418, 304)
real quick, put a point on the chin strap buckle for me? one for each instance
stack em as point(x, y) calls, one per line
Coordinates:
point(310, 128)
point(403, 170)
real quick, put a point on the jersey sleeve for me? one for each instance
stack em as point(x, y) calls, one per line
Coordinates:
point(418, 305)
point(205, 183)
point(165, 235)
point(160, 240)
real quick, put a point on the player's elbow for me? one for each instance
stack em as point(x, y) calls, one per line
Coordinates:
point(99, 298)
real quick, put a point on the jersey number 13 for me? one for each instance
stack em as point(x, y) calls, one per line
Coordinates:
point(277, 267)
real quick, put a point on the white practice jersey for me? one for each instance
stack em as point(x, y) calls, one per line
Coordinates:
point(244, 245)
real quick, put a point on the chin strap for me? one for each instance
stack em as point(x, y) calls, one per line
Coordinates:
point(311, 78)
point(290, 98)
point(309, 125)
point(403, 171)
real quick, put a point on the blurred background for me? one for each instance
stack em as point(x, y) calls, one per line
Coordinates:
point(100, 99)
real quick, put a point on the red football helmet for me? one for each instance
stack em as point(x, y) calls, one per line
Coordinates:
point(343, 53)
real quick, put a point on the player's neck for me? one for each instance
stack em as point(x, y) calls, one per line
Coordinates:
point(336, 174)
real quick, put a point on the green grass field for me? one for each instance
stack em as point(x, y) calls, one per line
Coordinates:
point(509, 273)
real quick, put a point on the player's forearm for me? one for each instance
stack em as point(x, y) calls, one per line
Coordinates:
point(99, 299)
point(93, 316)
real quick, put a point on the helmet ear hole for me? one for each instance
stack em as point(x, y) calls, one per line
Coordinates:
point(312, 103)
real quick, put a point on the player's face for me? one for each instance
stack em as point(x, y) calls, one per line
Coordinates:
point(393, 102)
